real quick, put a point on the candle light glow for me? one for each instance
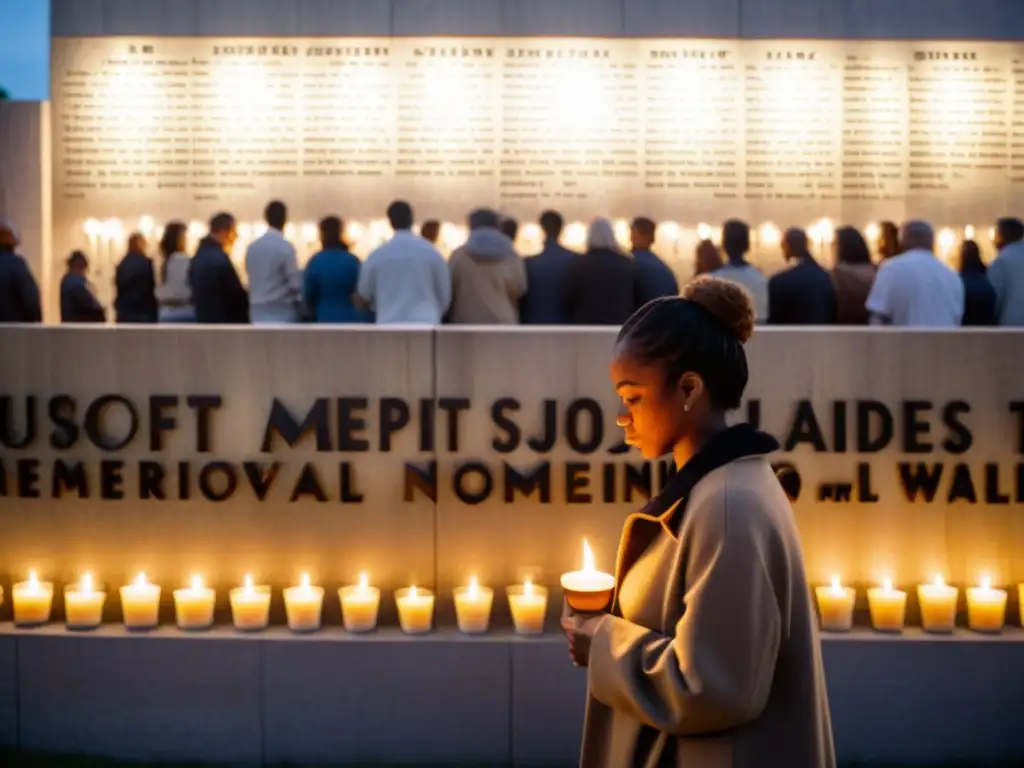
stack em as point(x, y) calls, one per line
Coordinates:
point(193, 606)
point(360, 605)
point(473, 607)
point(33, 600)
point(888, 607)
point(250, 606)
point(140, 604)
point(304, 605)
point(415, 610)
point(83, 605)
point(986, 607)
point(835, 604)
point(938, 605)
point(528, 604)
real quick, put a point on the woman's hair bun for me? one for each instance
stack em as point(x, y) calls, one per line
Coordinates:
point(727, 302)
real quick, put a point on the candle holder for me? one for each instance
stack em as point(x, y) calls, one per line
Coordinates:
point(303, 606)
point(33, 601)
point(360, 604)
point(473, 608)
point(83, 605)
point(835, 605)
point(938, 602)
point(588, 590)
point(415, 610)
point(529, 606)
point(140, 605)
point(250, 606)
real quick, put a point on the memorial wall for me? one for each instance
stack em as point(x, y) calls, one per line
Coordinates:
point(427, 456)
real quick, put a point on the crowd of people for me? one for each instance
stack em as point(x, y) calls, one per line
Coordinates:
point(486, 282)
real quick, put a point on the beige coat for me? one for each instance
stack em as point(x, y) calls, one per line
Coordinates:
point(488, 280)
point(728, 671)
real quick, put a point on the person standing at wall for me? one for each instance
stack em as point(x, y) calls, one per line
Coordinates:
point(173, 295)
point(706, 258)
point(915, 288)
point(803, 294)
point(736, 244)
point(655, 277)
point(431, 231)
point(709, 654)
point(78, 303)
point(979, 295)
point(217, 293)
point(510, 228)
point(488, 276)
point(331, 278)
point(546, 277)
point(275, 283)
point(852, 276)
point(135, 281)
point(19, 293)
point(603, 286)
point(888, 240)
point(406, 280)
point(1007, 272)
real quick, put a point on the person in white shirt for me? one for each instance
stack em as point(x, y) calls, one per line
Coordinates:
point(406, 280)
point(1007, 272)
point(915, 289)
point(736, 244)
point(275, 283)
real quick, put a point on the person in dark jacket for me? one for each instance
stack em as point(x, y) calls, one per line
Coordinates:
point(135, 281)
point(217, 293)
point(803, 294)
point(852, 276)
point(331, 278)
point(979, 295)
point(546, 276)
point(78, 304)
point(19, 294)
point(655, 276)
point(603, 286)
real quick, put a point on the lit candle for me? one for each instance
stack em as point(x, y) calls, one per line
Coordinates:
point(33, 600)
point(415, 610)
point(986, 607)
point(250, 606)
point(938, 605)
point(1020, 604)
point(83, 605)
point(888, 607)
point(304, 604)
point(140, 604)
point(835, 604)
point(359, 605)
point(589, 589)
point(193, 606)
point(473, 607)
point(529, 606)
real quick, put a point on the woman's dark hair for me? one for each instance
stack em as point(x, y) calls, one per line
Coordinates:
point(702, 331)
point(331, 229)
point(851, 247)
point(169, 244)
point(970, 259)
point(77, 260)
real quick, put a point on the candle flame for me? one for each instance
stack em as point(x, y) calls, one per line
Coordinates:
point(837, 586)
point(412, 591)
point(474, 587)
point(939, 581)
point(86, 582)
point(33, 578)
point(140, 580)
point(528, 588)
point(986, 582)
point(304, 581)
point(248, 584)
point(364, 583)
point(197, 582)
point(588, 558)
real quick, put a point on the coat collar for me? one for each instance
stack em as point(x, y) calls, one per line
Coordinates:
point(736, 442)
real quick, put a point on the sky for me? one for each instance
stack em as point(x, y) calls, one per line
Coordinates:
point(25, 48)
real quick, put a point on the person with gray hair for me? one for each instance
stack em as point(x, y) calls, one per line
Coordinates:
point(603, 285)
point(19, 293)
point(488, 276)
point(915, 289)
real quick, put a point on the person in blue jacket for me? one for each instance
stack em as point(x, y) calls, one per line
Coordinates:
point(331, 278)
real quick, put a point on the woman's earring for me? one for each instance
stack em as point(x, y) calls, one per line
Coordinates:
point(686, 407)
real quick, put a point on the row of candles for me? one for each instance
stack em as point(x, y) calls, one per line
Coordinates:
point(939, 601)
point(586, 589)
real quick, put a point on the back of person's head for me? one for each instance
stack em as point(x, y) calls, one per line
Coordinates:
point(8, 236)
point(172, 241)
point(642, 232)
point(889, 239)
point(735, 239)
point(331, 231)
point(431, 231)
point(222, 224)
point(552, 223)
point(708, 258)
point(601, 236)
point(688, 353)
point(510, 228)
point(1008, 232)
point(970, 259)
point(77, 262)
point(483, 218)
point(794, 243)
point(137, 243)
point(276, 215)
point(400, 215)
point(851, 247)
point(917, 236)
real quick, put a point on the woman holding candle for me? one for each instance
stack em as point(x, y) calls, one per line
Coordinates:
point(709, 655)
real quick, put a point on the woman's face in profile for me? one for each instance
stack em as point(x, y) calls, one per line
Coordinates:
point(651, 411)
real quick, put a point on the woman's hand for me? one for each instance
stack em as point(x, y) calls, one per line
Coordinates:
point(579, 631)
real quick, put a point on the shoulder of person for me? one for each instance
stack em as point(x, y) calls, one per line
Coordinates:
point(745, 489)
